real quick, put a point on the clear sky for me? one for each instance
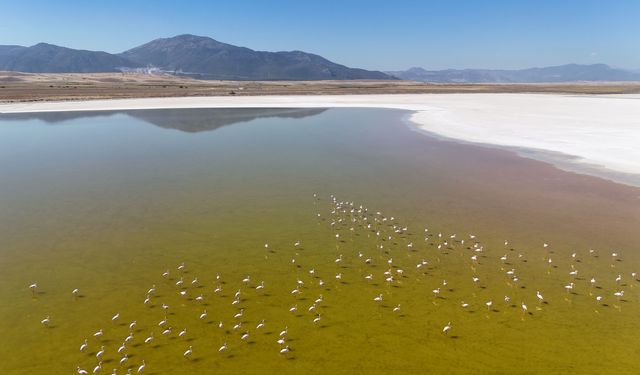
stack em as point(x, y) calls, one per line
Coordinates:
point(382, 35)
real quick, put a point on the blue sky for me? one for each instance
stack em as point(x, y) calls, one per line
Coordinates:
point(384, 35)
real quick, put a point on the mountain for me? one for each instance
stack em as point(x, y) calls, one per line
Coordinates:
point(50, 58)
point(10, 50)
point(561, 73)
point(194, 56)
point(204, 57)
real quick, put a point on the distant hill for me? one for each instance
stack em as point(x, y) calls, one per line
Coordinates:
point(195, 56)
point(48, 58)
point(561, 73)
point(207, 58)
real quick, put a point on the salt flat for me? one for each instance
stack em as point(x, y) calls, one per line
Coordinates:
point(594, 134)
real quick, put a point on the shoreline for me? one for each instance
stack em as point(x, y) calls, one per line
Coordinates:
point(589, 134)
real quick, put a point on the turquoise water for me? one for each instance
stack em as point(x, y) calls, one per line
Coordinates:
point(107, 202)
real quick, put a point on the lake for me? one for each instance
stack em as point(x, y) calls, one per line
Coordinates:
point(355, 234)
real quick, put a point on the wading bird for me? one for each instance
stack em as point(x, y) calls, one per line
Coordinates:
point(187, 352)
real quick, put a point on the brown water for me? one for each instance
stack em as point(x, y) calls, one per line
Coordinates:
point(107, 202)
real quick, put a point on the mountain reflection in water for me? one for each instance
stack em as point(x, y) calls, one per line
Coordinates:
point(189, 120)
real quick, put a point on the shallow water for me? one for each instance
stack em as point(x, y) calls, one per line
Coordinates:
point(107, 202)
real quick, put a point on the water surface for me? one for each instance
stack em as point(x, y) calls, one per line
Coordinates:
point(107, 201)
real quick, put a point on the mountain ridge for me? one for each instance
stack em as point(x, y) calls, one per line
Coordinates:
point(205, 57)
point(550, 74)
point(49, 58)
point(186, 54)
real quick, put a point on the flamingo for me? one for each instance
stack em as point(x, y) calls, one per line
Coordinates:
point(239, 315)
point(569, 287)
point(284, 331)
point(187, 352)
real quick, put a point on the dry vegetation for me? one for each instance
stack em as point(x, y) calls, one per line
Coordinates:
point(18, 87)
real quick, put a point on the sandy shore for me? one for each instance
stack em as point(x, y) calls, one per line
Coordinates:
point(591, 134)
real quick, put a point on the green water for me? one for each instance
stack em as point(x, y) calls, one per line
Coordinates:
point(107, 202)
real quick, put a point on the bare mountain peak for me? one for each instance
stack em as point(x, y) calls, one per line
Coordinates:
point(186, 54)
point(186, 41)
point(203, 57)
